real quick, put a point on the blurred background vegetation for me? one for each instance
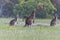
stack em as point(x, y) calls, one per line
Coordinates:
point(43, 8)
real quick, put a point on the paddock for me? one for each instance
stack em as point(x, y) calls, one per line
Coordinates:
point(40, 30)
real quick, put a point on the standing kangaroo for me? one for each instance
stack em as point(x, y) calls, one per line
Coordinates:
point(30, 19)
point(54, 21)
point(13, 21)
point(33, 15)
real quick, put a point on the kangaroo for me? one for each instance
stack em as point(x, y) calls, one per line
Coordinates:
point(54, 21)
point(13, 21)
point(33, 15)
point(30, 19)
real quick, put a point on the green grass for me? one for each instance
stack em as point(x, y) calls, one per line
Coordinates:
point(36, 32)
point(18, 32)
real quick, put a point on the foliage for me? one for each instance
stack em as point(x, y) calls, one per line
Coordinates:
point(8, 7)
point(43, 10)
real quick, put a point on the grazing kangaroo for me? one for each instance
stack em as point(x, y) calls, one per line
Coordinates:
point(54, 21)
point(29, 20)
point(14, 21)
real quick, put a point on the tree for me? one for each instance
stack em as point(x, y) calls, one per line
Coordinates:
point(44, 8)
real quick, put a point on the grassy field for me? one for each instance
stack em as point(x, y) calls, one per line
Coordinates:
point(40, 30)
